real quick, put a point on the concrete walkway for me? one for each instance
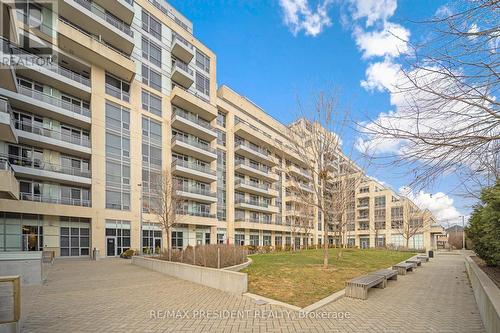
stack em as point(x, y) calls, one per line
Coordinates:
point(115, 296)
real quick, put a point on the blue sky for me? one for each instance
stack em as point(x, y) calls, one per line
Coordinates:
point(272, 61)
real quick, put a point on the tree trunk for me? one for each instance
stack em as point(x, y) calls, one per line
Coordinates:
point(325, 249)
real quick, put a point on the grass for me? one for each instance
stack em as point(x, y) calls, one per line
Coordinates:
point(299, 278)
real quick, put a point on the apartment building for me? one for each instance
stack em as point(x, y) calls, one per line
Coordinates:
point(130, 94)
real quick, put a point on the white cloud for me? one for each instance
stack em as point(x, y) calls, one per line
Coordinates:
point(381, 76)
point(440, 204)
point(299, 16)
point(391, 41)
point(373, 10)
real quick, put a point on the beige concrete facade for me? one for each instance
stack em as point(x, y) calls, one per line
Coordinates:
point(132, 94)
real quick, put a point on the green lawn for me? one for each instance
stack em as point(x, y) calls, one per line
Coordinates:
point(298, 278)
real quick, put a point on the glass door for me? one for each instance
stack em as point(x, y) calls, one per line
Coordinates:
point(110, 246)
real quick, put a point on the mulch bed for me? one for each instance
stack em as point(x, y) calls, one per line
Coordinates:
point(492, 271)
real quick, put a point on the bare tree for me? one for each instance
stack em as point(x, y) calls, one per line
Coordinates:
point(166, 205)
point(412, 222)
point(448, 117)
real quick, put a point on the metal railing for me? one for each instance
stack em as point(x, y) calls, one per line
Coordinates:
point(183, 66)
point(193, 166)
point(252, 184)
point(60, 201)
point(195, 143)
point(196, 94)
point(191, 117)
point(261, 168)
point(251, 220)
point(5, 164)
point(46, 166)
point(118, 93)
point(254, 203)
point(42, 97)
point(51, 133)
point(195, 213)
point(182, 40)
point(195, 190)
point(13, 306)
point(253, 147)
point(117, 23)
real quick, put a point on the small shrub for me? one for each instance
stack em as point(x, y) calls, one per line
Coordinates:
point(127, 254)
point(207, 255)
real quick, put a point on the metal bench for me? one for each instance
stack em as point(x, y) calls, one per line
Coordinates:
point(423, 257)
point(415, 261)
point(389, 274)
point(403, 267)
point(358, 287)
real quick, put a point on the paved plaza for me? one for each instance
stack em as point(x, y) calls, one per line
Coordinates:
point(115, 296)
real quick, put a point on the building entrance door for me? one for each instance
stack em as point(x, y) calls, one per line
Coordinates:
point(110, 246)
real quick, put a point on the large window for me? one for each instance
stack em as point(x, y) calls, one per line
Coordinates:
point(177, 240)
point(151, 77)
point(151, 238)
point(202, 83)
point(119, 232)
point(117, 88)
point(151, 51)
point(21, 232)
point(151, 103)
point(254, 240)
point(239, 239)
point(151, 24)
point(74, 236)
point(202, 61)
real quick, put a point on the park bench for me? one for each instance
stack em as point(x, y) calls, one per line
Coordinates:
point(358, 287)
point(389, 274)
point(403, 267)
point(415, 261)
point(423, 257)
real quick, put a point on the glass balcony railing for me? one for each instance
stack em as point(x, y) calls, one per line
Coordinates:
point(191, 117)
point(260, 168)
point(259, 186)
point(46, 166)
point(117, 23)
point(54, 200)
point(195, 213)
point(183, 66)
point(42, 97)
point(256, 203)
point(195, 143)
point(194, 166)
point(182, 40)
point(51, 133)
point(196, 190)
point(253, 147)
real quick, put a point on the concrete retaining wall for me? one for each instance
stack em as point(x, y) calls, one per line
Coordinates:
point(225, 280)
point(487, 296)
point(237, 268)
point(26, 264)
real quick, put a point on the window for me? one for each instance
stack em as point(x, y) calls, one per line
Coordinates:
point(151, 103)
point(151, 238)
point(202, 83)
point(364, 189)
point(117, 88)
point(202, 61)
point(151, 51)
point(254, 240)
point(120, 230)
point(151, 77)
point(239, 239)
point(221, 137)
point(221, 238)
point(117, 146)
point(74, 237)
point(380, 201)
point(266, 240)
point(177, 240)
point(278, 241)
point(221, 119)
point(117, 117)
point(117, 199)
point(151, 25)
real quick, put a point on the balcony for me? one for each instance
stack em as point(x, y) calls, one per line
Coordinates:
point(182, 49)
point(196, 217)
point(299, 172)
point(193, 171)
point(258, 206)
point(123, 9)
point(89, 16)
point(255, 188)
point(252, 133)
point(194, 103)
point(182, 74)
point(45, 105)
point(253, 152)
point(55, 200)
point(192, 147)
point(41, 137)
point(33, 168)
point(7, 129)
point(191, 123)
point(9, 185)
point(257, 171)
point(300, 186)
point(196, 193)
point(117, 93)
point(75, 40)
point(8, 78)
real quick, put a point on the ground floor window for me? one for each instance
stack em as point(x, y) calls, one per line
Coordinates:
point(202, 238)
point(239, 239)
point(416, 242)
point(151, 238)
point(278, 241)
point(221, 238)
point(74, 235)
point(266, 240)
point(254, 240)
point(21, 232)
point(397, 240)
point(319, 241)
point(351, 242)
point(364, 242)
point(380, 241)
point(177, 240)
point(117, 237)
point(288, 241)
point(297, 243)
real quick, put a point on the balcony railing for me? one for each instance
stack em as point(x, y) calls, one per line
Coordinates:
point(50, 133)
point(252, 184)
point(196, 190)
point(60, 201)
point(193, 142)
point(194, 166)
point(252, 147)
point(120, 25)
point(5, 165)
point(260, 168)
point(183, 66)
point(252, 220)
point(195, 213)
point(191, 117)
point(42, 97)
point(118, 93)
point(182, 40)
point(46, 166)
point(254, 203)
